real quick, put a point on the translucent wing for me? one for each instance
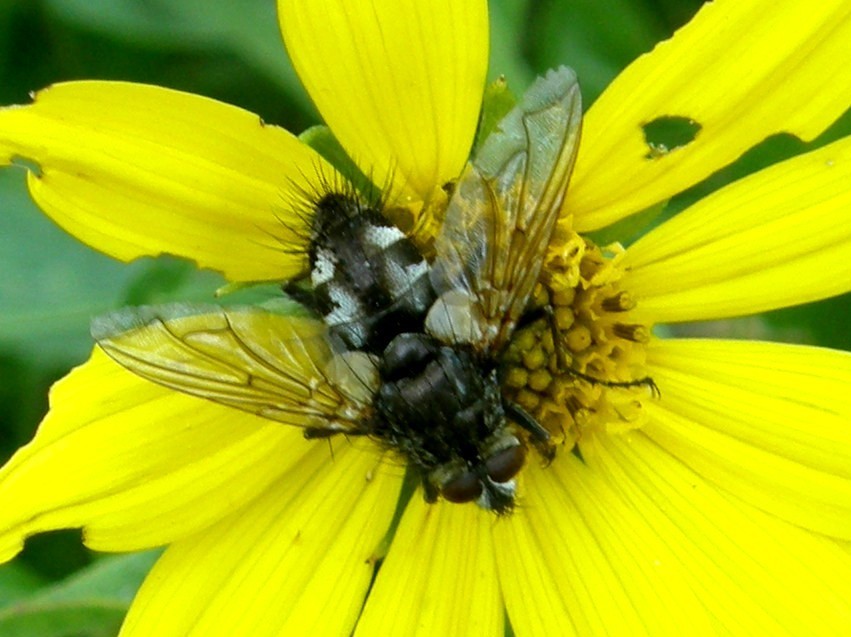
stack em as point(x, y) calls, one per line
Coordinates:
point(502, 215)
point(279, 367)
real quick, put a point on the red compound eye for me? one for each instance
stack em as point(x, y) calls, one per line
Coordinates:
point(464, 488)
point(504, 464)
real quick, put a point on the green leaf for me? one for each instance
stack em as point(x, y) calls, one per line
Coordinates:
point(90, 603)
point(496, 104)
point(248, 29)
point(597, 38)
point(51, 284)
point(629, 228)
point(824, 322)
point(322, 140)
point(507, 48)
point(16, 582)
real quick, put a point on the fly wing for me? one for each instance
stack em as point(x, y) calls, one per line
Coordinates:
point(502, 215)
point(279, 367)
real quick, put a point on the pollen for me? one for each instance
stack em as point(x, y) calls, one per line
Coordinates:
point(579, 368)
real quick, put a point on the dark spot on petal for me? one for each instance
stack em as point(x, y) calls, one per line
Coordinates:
point(667, 133)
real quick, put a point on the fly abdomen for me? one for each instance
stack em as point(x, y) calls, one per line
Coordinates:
point(369, 281)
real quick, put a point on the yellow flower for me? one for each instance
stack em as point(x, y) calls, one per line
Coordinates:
point(723, 506)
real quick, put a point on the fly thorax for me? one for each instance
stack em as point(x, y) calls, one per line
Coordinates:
point(444, 412)
point(427, 387)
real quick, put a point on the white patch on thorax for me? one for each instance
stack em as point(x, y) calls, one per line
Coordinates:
point(323, 267)
point(401, 279)
point(382, 236)
point(347, 307)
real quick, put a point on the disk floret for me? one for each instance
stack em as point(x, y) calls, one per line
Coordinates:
point(568, 367)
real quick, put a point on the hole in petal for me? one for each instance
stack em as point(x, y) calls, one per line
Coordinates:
point(57, 554)
point(30, 165)
point(667, 133)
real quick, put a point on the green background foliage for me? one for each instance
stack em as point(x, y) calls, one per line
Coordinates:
point(51, 285)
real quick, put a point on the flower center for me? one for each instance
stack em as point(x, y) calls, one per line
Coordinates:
point(564, 367)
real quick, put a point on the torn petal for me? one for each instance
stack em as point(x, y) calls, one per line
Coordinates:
point(741, 71)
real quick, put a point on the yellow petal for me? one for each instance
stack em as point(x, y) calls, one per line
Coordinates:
point(773, 239)
point(742, 71)
point(296, 561)
point(398, 81)
point(439, 577)
point(753, 573)
point(136, 170)
point(767, 422)
point(577, 558)
point(137, 465)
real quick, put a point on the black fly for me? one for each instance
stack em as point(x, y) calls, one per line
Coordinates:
point(407, 351)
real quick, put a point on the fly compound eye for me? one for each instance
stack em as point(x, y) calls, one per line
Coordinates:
point(505, 463)
point(465, 488)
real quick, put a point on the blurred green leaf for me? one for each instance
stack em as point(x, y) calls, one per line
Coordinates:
point(248, 28)
point(507, 43)
point(322, 140)
point(91, 603)
point(597, 38)
point(496, 104)
point(16, 582)
point(825, 322)
point(629, 228)
point(51, 284)
point(162, 24)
